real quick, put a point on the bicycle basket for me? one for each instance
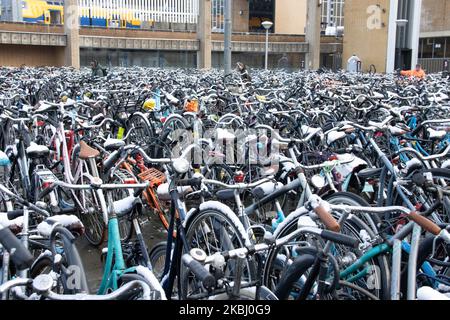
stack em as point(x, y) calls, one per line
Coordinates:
point(154, 176)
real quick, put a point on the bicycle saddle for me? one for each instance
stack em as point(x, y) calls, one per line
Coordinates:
point(87, 152)
point(15, 225)
point(46, 107)
point(226, 194)
point(266, 188)
point(369, 173)
point(113, 144)
point(436, 134)
point(334, 136)
point(4, 160)
point(37, 151)
point(70, 222)
point(164, 195)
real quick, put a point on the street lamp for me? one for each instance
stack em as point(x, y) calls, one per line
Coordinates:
point(267, 25)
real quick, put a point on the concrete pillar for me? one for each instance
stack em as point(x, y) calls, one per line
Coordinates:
point(392, 36)
point(71, 29)
point(313, 19)
point(414, 35)
point(204, 35)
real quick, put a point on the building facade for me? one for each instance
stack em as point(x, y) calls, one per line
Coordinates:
point(434, 45)
point(160, 33)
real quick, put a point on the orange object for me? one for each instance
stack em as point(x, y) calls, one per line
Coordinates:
point(155, 177)
point(191, 106)
point(414, 73)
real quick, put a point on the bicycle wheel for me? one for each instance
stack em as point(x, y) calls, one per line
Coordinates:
point(125, 224)
point(175, 134)
point(215, 228)
point(142, 130)
point(158, 258)
point(71, 277)
point(289, 285)
point(376, 279)
point(90, 212)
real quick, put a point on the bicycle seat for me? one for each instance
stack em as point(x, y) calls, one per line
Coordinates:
point(307, 130)
point(223, 134)
point(45, 107)
point(113, 144)
point(15, 225)
point(37, 151)
point(4, 160)
point(224, 195)
point(70, 222)
point(334, 136)
point(436, 134)
point(87, 152)
point(164, 195)
point(266, 188)
point(369, 173)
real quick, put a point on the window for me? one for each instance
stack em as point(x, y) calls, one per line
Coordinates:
point(439, 48)
point(336, 13)
point(434, 48)
point(427, 48)
point(217, 15)
point(259, 11)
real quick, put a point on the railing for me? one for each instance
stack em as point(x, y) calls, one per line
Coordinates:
point(433, 65)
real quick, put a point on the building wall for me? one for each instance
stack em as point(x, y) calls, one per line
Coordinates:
point(290, 16)
point(435, 20)
point(370, 45)
point(12, 55)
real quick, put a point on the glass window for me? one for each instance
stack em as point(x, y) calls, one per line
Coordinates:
point(439, 47)
point(447, 47)
point(427, 48)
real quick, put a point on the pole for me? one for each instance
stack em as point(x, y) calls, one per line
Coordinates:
point(16, 10)
point(313, 18)
point(227, 36)
point(329, 24)
point(267, 50)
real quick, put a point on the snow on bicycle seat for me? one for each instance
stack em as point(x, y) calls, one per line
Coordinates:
point(70, 222)
point(335, 136)
point(223, 134)
point(266, 188)
point(436, 134)
point(164, 195)
point(69, 103)
point(428, 293)
point(37, 151)
point(369, 173)
point(87, 152)
point(307, 130)
point(15, 225)
point(125, 206)
point(46, 107)
point(4, 160)
point(377, 95)
point(113, 144)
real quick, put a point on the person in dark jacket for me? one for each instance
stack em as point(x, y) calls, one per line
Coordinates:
point(97, 70)
point(245, 76)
